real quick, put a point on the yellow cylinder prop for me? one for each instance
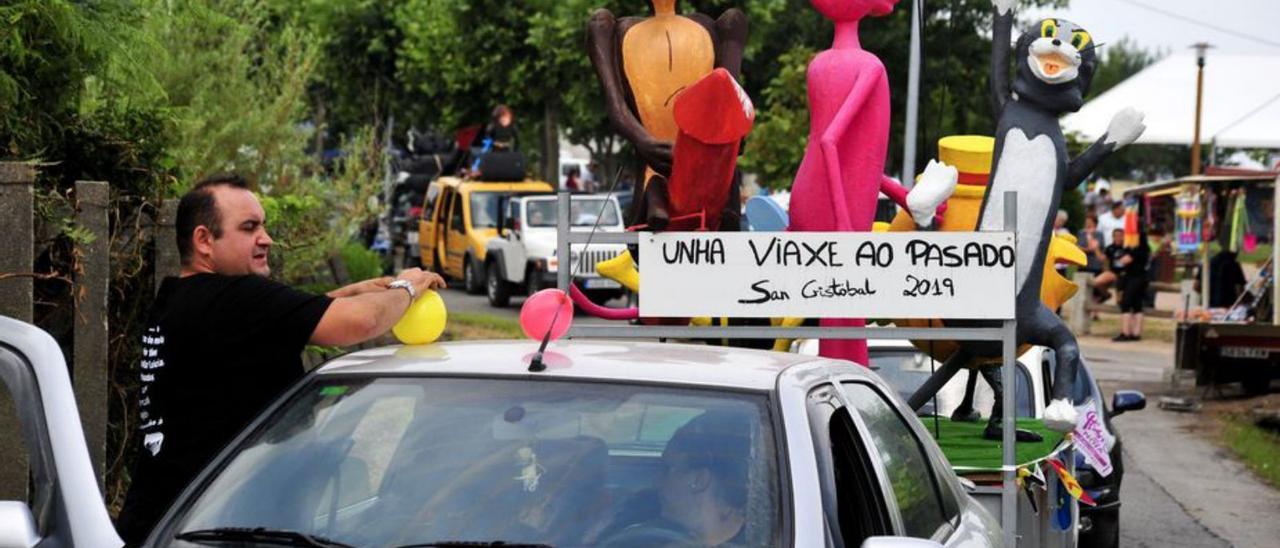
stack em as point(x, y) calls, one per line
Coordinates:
point(424, 321)
point(971, 156)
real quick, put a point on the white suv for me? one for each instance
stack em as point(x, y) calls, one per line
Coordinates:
point(522, 259)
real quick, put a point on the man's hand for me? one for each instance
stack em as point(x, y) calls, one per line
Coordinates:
point(421, 279)
point(357, 317)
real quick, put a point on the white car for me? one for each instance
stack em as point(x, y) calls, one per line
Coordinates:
point(522, 258)
point(607, 444)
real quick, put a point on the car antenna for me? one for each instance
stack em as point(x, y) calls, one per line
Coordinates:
point(536, 364)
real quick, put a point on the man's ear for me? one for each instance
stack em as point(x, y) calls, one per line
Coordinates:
point(202, 240)
point(700, 480)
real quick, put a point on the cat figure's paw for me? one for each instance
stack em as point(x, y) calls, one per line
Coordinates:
point(935, 185)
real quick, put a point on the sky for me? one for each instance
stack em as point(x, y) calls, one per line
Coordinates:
point(1108, 20)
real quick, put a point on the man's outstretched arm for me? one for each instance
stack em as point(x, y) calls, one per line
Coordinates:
point(368, 309)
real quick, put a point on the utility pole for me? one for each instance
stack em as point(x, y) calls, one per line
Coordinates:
point(1200, 48)
point(913, 100)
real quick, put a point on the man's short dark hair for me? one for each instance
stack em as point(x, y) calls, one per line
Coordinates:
point(197, 207)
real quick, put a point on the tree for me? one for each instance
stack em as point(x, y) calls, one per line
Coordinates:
point(956, 57)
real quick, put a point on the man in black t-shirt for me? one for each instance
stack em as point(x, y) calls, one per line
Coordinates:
point(223, 340)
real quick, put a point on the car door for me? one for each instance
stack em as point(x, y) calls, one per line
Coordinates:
point(927, 507)
point(440, 227)
point(455, 248)
point(853, 501)
point(514, 254)
point(64, 506)
point(427, 230)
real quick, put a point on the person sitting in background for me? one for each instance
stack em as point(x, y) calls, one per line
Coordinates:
point(1112, 270)
point(1112, 220)
point(573, 182)
point(501, 129)
point(1226, 279)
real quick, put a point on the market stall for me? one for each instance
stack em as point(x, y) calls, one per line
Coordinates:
point(1228, 329)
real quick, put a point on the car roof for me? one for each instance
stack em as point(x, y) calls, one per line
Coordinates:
point(470, 185)
point(644, 362)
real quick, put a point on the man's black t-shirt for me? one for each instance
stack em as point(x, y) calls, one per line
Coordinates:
point(216, 351)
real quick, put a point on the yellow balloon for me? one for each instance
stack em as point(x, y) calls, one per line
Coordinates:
point(424, 321)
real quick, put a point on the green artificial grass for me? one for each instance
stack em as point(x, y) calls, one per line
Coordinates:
point(964, 446)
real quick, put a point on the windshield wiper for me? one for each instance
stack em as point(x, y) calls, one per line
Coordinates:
point(452, 543)
point(262, 535)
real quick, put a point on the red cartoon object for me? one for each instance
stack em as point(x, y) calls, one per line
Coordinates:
point(713, 116)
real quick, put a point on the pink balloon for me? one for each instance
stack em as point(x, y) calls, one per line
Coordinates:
point(541, 309)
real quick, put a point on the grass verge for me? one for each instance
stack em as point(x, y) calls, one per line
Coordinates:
point(1259, 448)
point(466, 327)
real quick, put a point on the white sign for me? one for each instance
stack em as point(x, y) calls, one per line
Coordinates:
point(949, 275)
point(1092, 439)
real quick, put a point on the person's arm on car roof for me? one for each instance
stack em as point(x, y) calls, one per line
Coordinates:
point(358, 317)
point(360, 288)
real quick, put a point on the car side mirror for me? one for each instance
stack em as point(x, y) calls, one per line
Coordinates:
point(17, 526)
point(899, 542)
point(1127, 400)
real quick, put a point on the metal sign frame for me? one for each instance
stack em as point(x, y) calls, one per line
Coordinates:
point(1006, 334)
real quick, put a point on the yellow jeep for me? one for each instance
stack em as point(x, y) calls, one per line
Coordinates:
point(459, 216)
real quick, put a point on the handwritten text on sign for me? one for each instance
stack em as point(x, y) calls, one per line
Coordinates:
point(828, 274)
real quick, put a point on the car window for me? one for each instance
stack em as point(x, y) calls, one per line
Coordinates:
point(907, 369)
point(456, 222)
point(396, 461)
point(28, 435)
point(484, 209)
point(429, 204)
point(513, 211)
point(582, 212)
point(851, 499)
point(904, 459)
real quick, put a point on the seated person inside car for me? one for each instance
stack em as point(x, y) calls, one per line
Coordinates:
point(702, 498)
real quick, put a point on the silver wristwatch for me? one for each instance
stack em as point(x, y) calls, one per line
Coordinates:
point(404, 284)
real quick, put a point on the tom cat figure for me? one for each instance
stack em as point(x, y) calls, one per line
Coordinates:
point(1054, 62)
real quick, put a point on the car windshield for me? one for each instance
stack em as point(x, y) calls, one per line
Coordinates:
point(395, 461)
point(906, 370)
point(582, 212)
point(484, 209)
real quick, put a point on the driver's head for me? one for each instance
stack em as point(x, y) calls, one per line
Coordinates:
point(707, 461)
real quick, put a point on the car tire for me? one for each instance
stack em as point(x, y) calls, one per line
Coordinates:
point(472, 281)
point(497, 289)
point(532, 280)
point(1105, 532)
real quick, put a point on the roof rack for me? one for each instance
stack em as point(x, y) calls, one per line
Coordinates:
point(1005, 334)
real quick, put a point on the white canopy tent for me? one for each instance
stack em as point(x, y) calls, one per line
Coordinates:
point(1241, 102)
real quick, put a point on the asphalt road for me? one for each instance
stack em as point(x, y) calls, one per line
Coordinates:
point(1178, 490)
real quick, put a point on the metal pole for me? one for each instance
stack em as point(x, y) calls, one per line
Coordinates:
point(1195, 142)
point(1009, 494)
point(564, 258)
point(913, 100)
point(1275, 256)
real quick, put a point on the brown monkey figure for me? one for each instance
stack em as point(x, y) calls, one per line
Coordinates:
point(643, 63)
